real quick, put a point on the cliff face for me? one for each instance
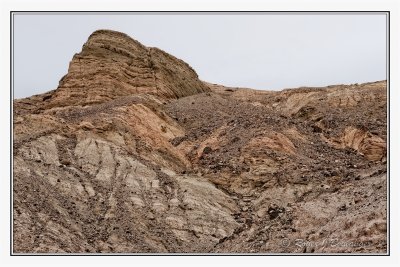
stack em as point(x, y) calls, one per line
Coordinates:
point(133, 153)
point(112, 65)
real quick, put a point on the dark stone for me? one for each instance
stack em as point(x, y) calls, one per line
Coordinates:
point(234, 140)
point(274, 211)
point(207, 150)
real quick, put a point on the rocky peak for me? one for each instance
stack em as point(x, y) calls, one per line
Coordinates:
point(116, 160)
point(112, 64)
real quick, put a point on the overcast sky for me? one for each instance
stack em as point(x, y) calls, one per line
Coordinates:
point(261, 51)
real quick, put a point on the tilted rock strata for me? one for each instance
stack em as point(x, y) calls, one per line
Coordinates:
point(133, 153)
point(371, 146)
point(113, 65)
point(89, 195)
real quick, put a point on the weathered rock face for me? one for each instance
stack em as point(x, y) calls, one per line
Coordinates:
point(371, 146)
point(144, 157)
point(112, 65)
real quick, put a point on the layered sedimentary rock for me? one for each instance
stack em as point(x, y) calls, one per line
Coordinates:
point(111, 65)
point(133, 153)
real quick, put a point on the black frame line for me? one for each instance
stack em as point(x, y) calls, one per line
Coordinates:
point(152, 12)
point(11, 127)
point(388, 128)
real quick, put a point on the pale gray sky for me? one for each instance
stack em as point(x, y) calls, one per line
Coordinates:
point(261, 51)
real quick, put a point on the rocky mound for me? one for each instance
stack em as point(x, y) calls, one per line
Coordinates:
point(133, 153)
point(112, 65)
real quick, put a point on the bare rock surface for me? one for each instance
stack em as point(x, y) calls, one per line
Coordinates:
point(133, 153)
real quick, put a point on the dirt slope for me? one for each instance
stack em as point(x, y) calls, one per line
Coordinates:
point(133, 153)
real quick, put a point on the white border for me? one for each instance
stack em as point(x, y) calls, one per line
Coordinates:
point(76, 5)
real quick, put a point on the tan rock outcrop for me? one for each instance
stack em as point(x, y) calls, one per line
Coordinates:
point(132, 153)
point(111, 65)
point(371, 146)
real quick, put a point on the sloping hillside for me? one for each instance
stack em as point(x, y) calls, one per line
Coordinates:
point(133, 153)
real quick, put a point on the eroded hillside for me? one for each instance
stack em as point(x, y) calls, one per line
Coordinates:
point(133, 153)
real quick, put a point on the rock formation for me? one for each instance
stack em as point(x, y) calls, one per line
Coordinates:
point(133, 153)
